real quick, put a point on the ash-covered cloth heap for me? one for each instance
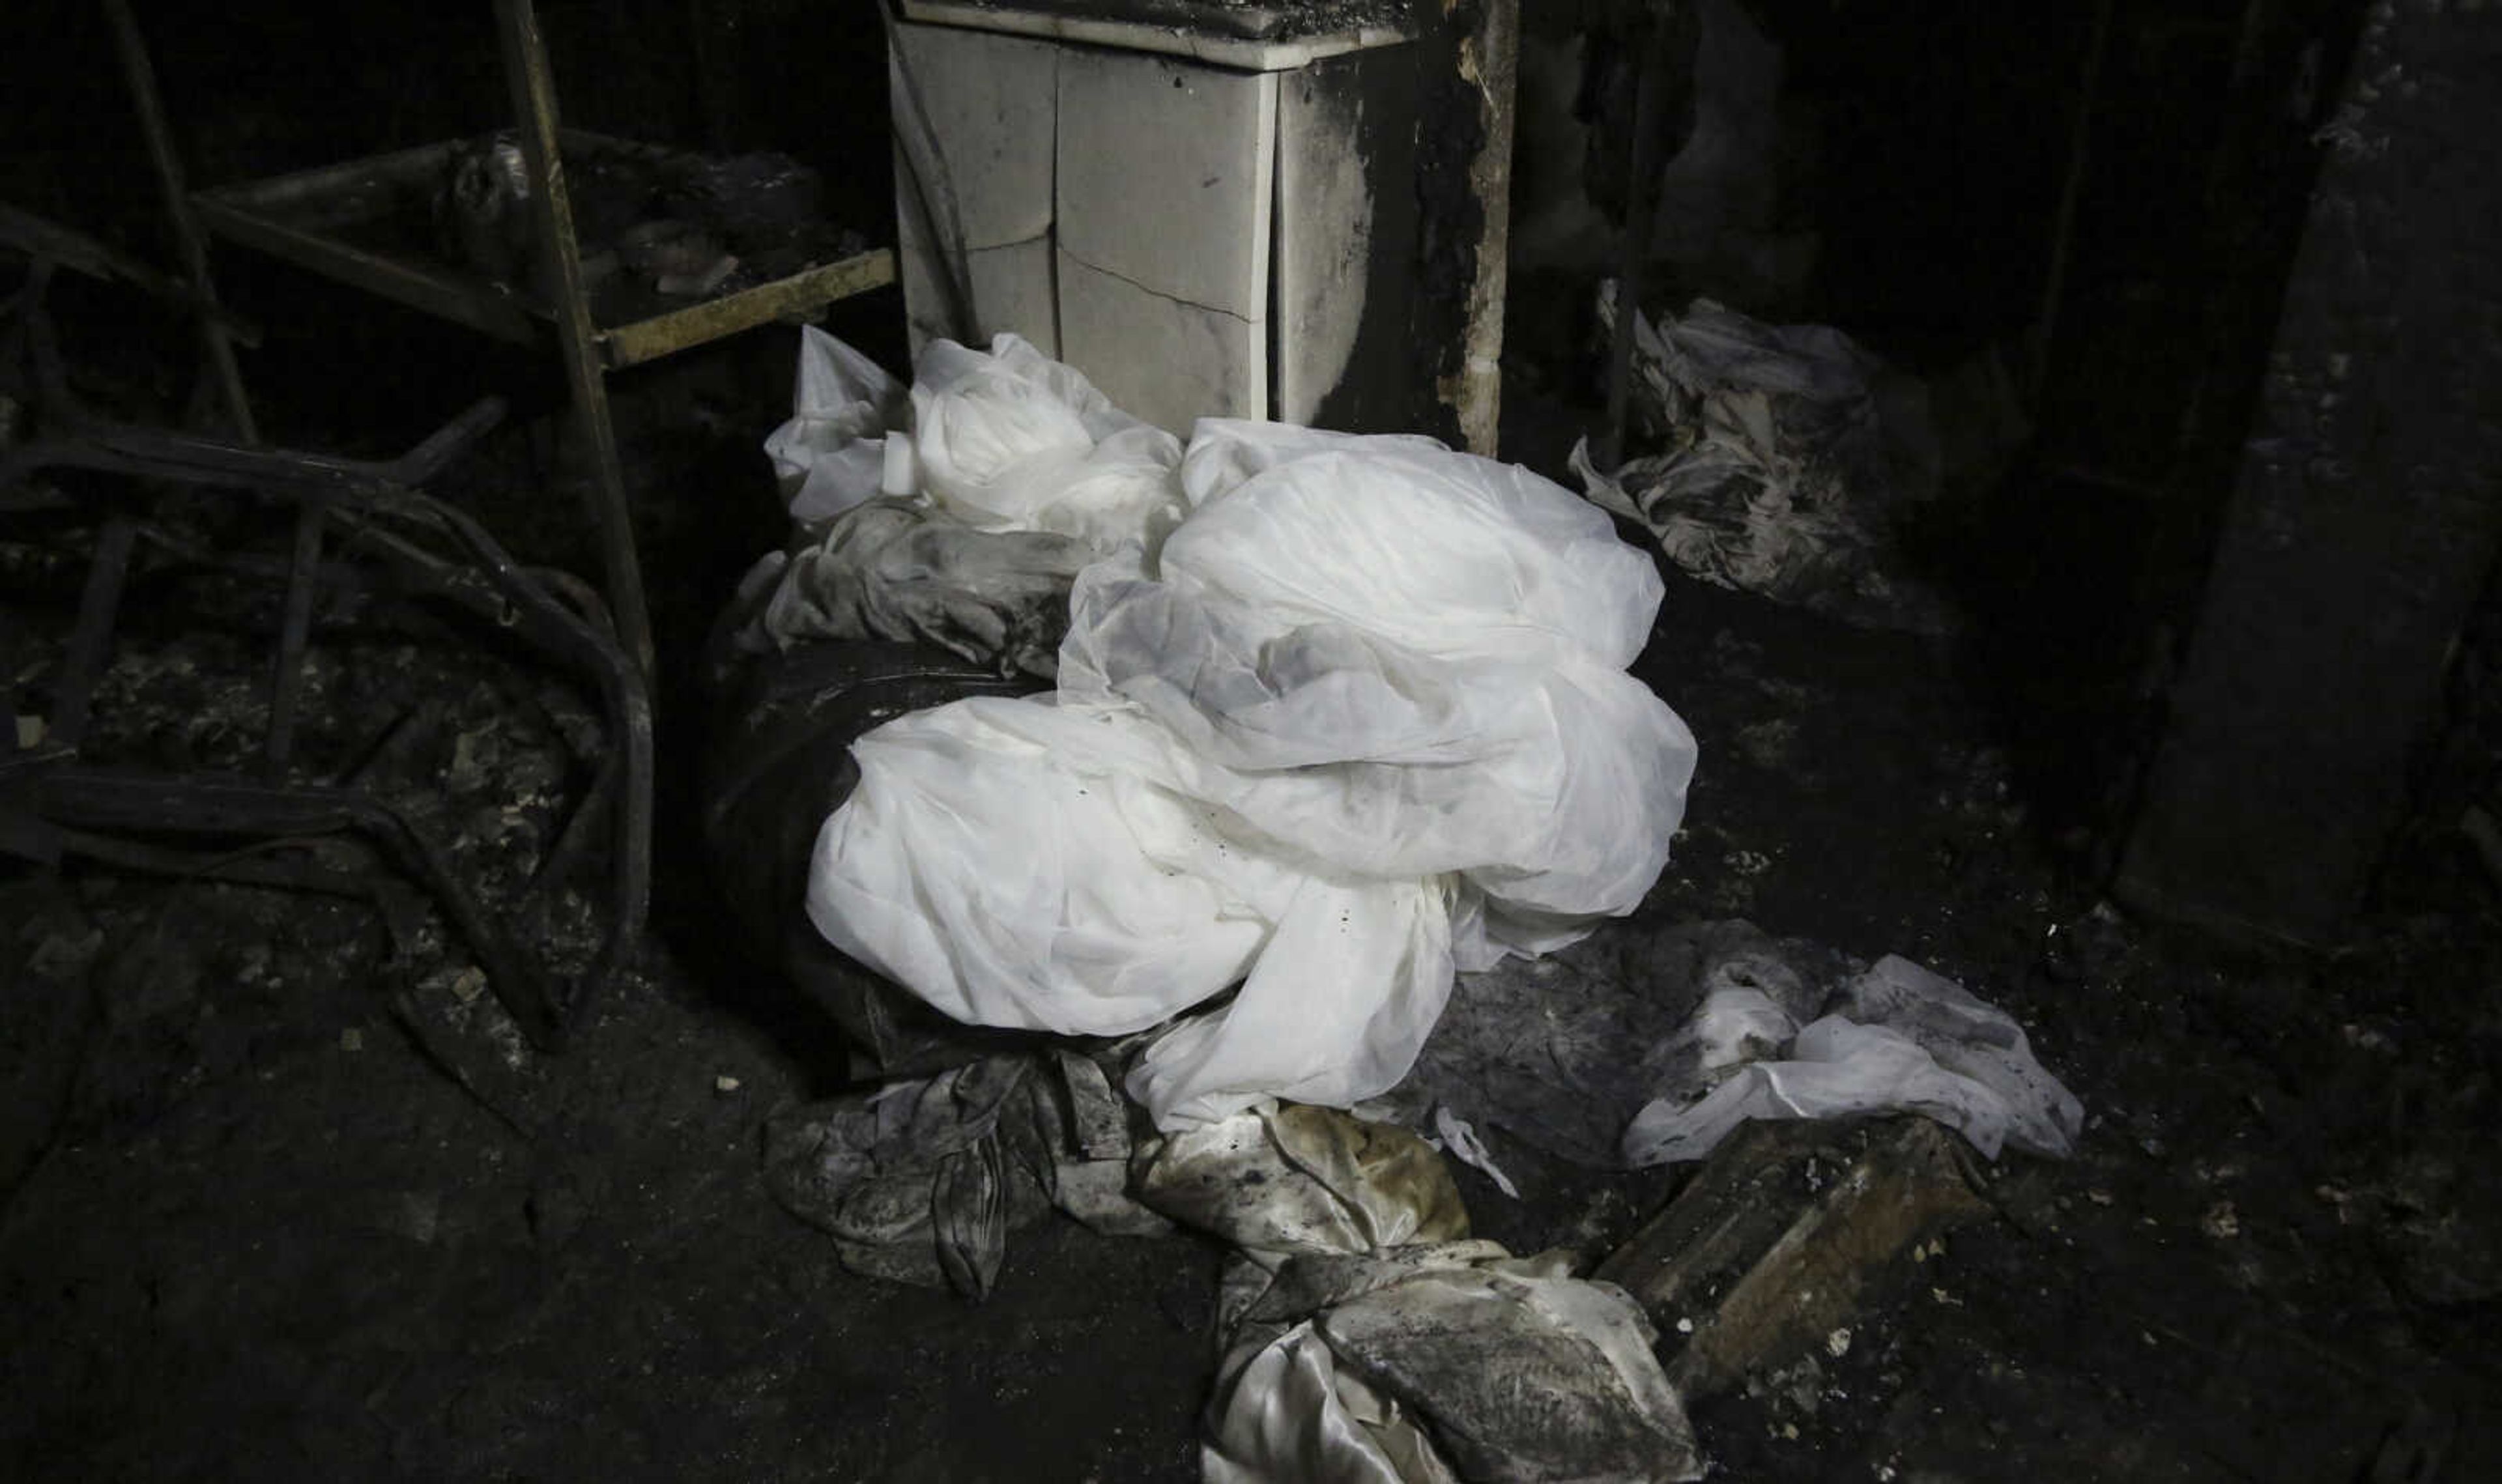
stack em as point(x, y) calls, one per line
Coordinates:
point(1357, 720)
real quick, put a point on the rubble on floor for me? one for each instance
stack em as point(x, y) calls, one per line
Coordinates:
point(1359, 1320)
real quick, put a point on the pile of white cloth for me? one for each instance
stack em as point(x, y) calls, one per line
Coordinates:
point(1336, 716)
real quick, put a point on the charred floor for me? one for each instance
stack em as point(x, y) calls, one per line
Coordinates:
point(289, 1188)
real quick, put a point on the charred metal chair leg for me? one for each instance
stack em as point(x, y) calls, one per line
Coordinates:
point(92, 641)
point(295, 628)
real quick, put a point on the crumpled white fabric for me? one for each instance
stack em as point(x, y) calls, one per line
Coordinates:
point(1360, 719)
point(1975, 1039)
point(831, 453)
point(1013, 440)
point(1907, 1040)
point(995, 467)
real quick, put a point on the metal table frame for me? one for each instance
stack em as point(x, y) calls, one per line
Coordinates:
point(256, 216)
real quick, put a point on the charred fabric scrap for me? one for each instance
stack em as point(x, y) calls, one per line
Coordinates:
point(1315, 845)
point(1791, 462)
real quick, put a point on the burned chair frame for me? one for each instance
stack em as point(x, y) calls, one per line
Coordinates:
point(404, 543)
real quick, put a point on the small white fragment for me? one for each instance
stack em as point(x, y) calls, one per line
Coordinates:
point(1460, 1139)
point(723, 1082)
point(468, 984)
point(1837, 1343)
point(30, 731)
point(1685, 1325)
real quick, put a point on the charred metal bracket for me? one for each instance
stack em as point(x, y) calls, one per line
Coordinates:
point(55, 802)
